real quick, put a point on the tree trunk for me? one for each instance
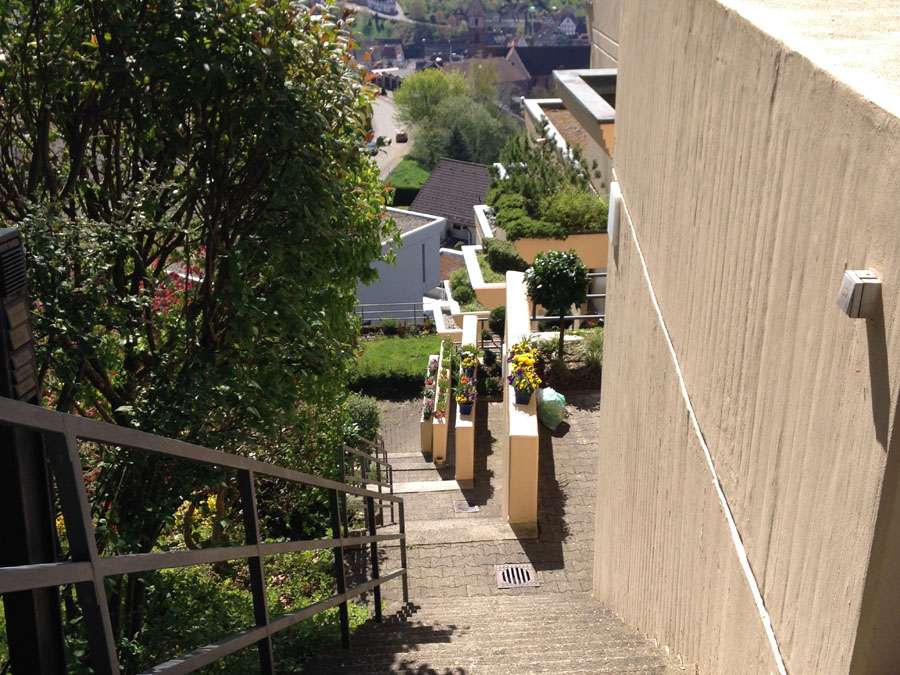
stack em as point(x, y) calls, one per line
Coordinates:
point(562, 332)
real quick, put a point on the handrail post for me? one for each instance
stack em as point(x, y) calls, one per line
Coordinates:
point(380, 500)
point(247, 486)
point(339, 569)
point(346, 520)
point(373, 547)
point(391, 481)
point(405, 575)
point(62, 452)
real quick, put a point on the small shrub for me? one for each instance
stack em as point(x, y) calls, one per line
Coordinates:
point(497, 320)
point(506, 200)
point(557, 280)
point(363, 411)
point(490, 357)
point(531, 228)
point(575, 210)
point(592, 348)
point(461, 287)
point(389, 327)
point(502, 256)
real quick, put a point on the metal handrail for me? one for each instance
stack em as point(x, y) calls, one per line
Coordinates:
point(88, 569)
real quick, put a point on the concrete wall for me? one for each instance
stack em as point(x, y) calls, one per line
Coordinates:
point(604, 18)
point(752, 179)
point(404, 281)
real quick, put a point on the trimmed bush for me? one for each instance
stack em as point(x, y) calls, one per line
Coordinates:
point(363, 411)
point(502, 257)
point(576, 210)
point(461, 287)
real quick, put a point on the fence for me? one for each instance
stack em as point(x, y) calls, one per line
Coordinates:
point(379, 312)
point(87, 569)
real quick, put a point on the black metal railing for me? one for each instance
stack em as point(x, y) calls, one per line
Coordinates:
point(87, 569)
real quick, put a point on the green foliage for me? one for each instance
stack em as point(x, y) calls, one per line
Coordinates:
point(576, 210)
point(409, 174)
point(461, 286)
point(197, 217)
point(461, 128)
point(502, 256)
point(487, 273)
point(420, 94)
point(543, 195)
point(364, 415)
point(389, 327)
point(193, 606)
point(557, 280)
point(592, 347)
point(497, 320)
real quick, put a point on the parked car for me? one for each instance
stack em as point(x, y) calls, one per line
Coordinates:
point(401, 136)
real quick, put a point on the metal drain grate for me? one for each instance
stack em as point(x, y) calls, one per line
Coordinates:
point(516, 576)
point(462, 506)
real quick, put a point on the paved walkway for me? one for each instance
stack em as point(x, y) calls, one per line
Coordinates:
point(460, 623)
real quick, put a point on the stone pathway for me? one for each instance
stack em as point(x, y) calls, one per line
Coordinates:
point(460, 622)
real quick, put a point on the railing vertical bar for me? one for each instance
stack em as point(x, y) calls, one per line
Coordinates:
point(345, 519)
point(405, 574)
point(380, 491)
point(339, 569)
point(373, 547)
point(391, 481)
point(62, 451)
point(247, 485)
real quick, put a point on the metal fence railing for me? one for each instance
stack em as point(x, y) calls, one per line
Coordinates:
point(401, 312)
point(88, 570)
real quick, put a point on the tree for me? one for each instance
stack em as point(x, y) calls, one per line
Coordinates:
point(420, 94)
point(482, 134)
point(457, 148)
point(556, 281)
point(483, 81)
point(197, 217)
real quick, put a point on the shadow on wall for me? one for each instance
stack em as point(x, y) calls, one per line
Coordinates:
point(879, 375)
point(877, 649)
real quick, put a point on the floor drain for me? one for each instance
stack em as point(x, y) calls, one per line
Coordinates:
point(463, 506)
point(516, 576)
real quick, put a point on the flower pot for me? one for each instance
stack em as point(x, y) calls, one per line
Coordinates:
point(523, 396)
point(469, 372)
point(465, 408)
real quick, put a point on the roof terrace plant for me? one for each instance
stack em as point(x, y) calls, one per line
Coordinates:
point(543, 195)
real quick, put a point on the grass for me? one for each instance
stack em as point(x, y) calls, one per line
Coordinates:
point(409, 174)
point(394, 367)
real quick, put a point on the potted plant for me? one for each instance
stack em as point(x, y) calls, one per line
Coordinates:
point(469, 359)
point(466, 394)
point(522, 374)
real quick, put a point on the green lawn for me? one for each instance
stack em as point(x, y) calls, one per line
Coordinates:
point(409, 174)
point(394, 367)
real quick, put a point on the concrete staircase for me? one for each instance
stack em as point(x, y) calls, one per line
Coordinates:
point(516, 634)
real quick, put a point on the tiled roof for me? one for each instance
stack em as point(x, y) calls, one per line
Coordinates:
point(506, 71)
point(539, 61)
point(453, 189)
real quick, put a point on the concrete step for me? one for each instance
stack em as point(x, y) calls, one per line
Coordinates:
point(501, 635)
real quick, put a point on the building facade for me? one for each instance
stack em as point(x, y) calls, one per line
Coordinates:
point(748, 495)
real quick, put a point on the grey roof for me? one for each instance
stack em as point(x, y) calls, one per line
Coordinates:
point(453, 189)
point(407, 222)
point(539, 61)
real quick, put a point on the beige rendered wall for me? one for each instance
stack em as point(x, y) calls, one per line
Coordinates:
point(604, 19)
point(753, 179)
